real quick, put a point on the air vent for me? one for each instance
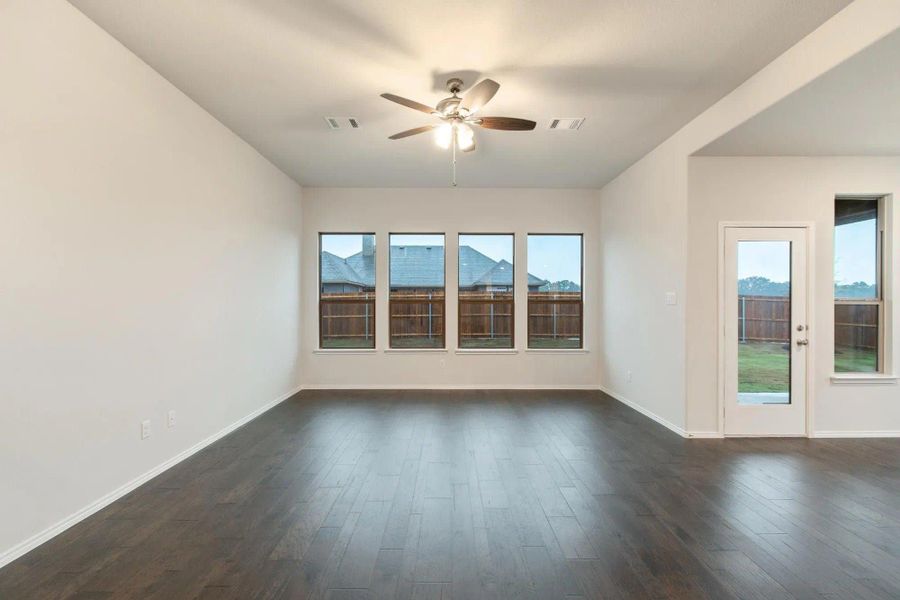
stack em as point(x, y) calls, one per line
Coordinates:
point(342, 122)
point(569, 124)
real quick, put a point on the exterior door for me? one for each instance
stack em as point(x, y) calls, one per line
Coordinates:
point(766, 333)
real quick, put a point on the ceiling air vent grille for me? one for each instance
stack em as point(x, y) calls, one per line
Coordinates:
point(569, 124)
point(342, 122)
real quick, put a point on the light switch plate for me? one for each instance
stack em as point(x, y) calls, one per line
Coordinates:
point(671, 299)
point(145, 429)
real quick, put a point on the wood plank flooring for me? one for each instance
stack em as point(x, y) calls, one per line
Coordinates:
point(487, 494)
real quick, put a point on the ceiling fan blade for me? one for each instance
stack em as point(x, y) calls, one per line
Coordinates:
point(410, 103)
point(410, 132)
point(506, 123)
point(479, 95)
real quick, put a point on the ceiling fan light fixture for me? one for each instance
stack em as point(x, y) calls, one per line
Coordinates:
point(465, 137)
point(443, 135)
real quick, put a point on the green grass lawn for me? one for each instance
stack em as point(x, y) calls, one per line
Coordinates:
point(348, 342)
point(855, 360)
point(417, 342)
point(497, 342)
point(765, 366)
point(551, 343)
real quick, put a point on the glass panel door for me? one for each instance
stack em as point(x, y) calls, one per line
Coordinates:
point(765, 331)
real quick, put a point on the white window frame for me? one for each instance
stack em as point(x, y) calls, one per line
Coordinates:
point(883, 280)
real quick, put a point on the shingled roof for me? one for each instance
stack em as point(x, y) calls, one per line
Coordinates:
point(420, 267)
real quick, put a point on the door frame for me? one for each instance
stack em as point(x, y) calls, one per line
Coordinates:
point(810, 228)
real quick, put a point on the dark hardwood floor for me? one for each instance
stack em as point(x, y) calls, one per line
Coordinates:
point(489, 494)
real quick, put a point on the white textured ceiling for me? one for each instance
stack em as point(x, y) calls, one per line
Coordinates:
point(853, 110)
point(636, 69)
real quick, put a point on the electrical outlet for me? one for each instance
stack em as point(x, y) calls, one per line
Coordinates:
point(145, 429)
point(628, 376)
point(170, 419)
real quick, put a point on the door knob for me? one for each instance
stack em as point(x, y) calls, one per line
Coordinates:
point(802, 342)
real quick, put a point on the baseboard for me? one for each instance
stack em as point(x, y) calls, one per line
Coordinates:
point(36, 540)
point(856, 434)
point(707, 435)
point(647, 413)
point(433, 386)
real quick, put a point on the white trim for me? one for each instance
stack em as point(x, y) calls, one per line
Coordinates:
point(863, 379)
point(737, 436)
point(39, 538)
point(345, 351)
point(444, 386)
point(647, 413)
point(415, 350)
point(711, 435)
point(857, 434)
point(557, 350)
point(486, 351)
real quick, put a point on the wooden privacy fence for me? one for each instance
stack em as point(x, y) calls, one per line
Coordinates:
point(486, 315)
point(350, 317)
point(856, 325)
point(555, 315)
point(417, 315)
point(768, 319)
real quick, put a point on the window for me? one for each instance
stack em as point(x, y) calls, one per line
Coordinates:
point(555, 299)
point(486, 281)
point(346, 290)
point(417, 290)
point(858, 294)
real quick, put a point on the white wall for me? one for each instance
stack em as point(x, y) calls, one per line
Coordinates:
point(644, 212)
point(784, 189)
point(148, 261)
point(451, 211)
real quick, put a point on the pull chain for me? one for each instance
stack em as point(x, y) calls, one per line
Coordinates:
point(453, 168)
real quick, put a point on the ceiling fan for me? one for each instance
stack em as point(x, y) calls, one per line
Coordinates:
point(458, 115)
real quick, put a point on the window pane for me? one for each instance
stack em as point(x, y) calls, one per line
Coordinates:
point(856, 249)
point(486, 291)
point(855, 338)
point(857, 295)
point(347, 290)
point(554, 291)
point(764, 322)
point(417, 291)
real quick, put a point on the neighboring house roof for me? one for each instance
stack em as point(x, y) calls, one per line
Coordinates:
point(336, 270)
point(420, 266)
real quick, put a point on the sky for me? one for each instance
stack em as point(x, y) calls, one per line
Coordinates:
point(854, 252)
point(771, 260)
point(854, 256)
point(343, 245)
point(555, 257)
point(550, 257)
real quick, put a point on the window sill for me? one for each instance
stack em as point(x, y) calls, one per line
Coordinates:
point(486, 351)
point(415, 350)
point(556, 350)
point(863, 379)
point(345, 351)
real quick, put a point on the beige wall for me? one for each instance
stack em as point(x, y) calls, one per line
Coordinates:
point(451, 211)
point(644, 216)
point(148, 262)
point(781, 189)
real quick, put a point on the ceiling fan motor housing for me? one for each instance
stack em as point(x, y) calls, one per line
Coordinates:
point(447, 106)
point(454, 85)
